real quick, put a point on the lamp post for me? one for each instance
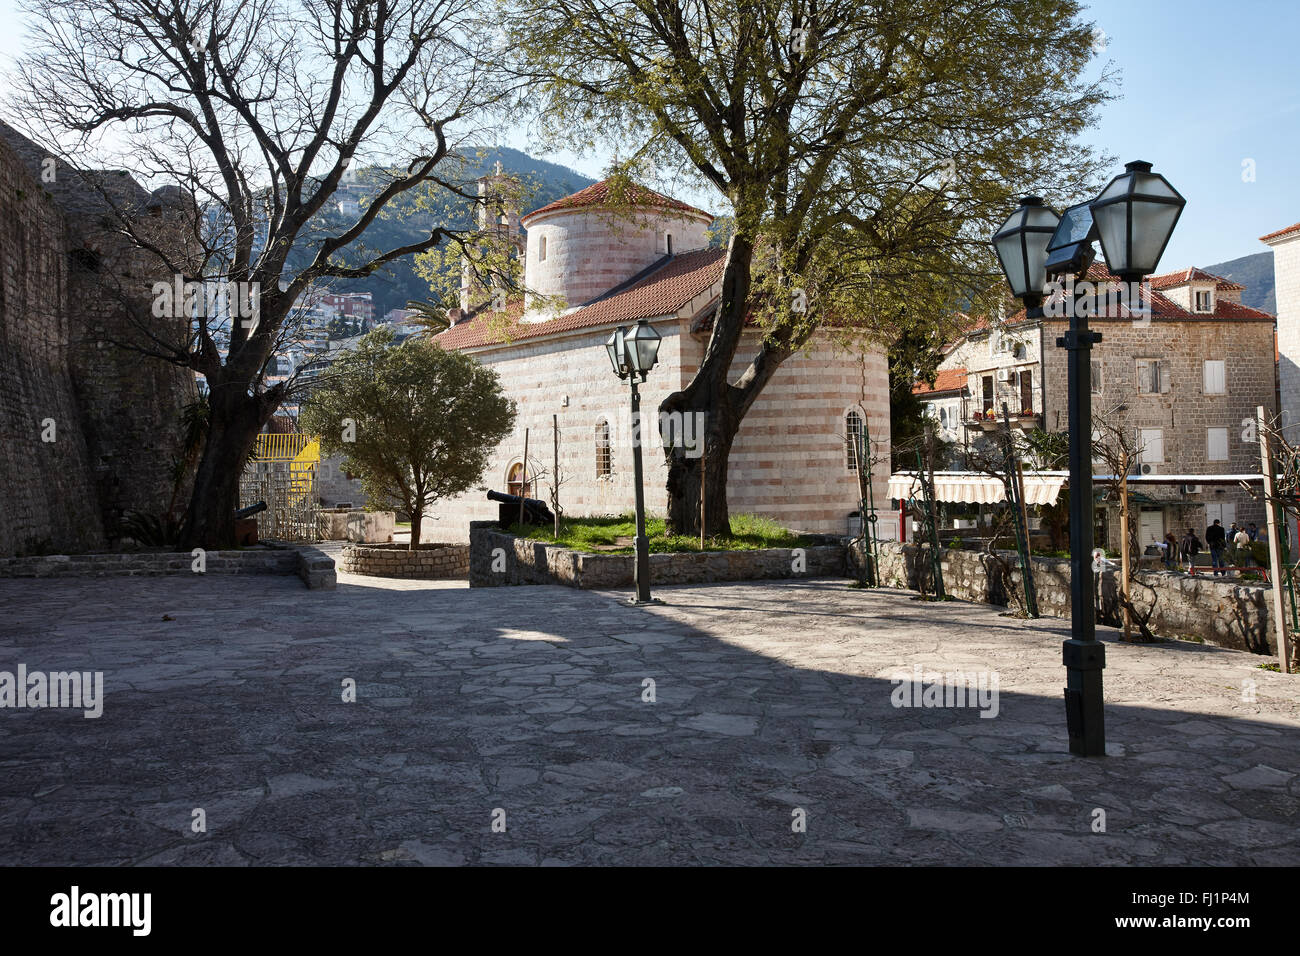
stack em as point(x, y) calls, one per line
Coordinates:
point(1133, 217)
point(634, 352)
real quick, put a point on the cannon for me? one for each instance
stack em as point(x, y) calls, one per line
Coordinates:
point(246, 524)
point(250, 510)
point(535, 510)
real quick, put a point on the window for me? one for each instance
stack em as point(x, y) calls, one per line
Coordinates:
point(1095, 377)
point(1152, 376)
point(1151, 445)
point(1204, 302)
point(987, 387)
point(852, 439)
point(1215, 377)
point(1216, 444)
point(541, 249)
point(943, 416)
point(1027, 393)
point(668, 243)
point(604, 461)
point(514, 481)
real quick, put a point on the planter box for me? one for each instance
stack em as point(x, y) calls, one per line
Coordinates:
point(498, 559)
point(370, 527)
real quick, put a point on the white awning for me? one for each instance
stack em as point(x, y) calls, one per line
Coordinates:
point(964, 487)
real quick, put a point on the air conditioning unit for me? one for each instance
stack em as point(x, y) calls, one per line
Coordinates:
point(1191, 489)
point(1148, 469)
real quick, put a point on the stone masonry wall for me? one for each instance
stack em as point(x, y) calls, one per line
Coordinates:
point(398, 561)
point(1216, 611)
point(1286, 273)
point(73, 293)
point(1184, 412)
point(314, 567)
point(47, 496)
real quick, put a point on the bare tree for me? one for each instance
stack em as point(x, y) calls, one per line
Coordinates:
point(1113, 447)
point(257, 110)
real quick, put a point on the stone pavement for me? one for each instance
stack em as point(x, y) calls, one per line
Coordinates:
point(772, 704)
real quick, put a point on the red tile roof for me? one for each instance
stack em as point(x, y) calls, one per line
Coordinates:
point(948, 380)
point(601, 194)
point(1183, 276)
point(1280, 233)
point(663, 292)
point(1164, 308)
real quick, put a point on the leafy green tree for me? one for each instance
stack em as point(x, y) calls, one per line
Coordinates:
point(866, 149)
point(415, 421)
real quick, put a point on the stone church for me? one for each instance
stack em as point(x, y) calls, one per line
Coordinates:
point(599, 259)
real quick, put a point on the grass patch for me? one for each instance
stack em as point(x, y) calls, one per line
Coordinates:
point(613, 535)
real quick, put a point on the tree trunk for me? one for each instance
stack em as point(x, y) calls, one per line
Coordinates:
point(684, 476)
point(232, 428)
point(417, 519)
point(722, 405)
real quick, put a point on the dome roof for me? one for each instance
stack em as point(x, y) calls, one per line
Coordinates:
point(616, 196)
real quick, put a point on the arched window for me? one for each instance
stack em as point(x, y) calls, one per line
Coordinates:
point(852, 438)
point(541, 249)
point(514, 481)
point(604, 463)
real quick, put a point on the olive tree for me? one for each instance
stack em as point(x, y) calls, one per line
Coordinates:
point(417, 422)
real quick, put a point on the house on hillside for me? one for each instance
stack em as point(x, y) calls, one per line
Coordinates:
point(1183, 381)
point(592, 263)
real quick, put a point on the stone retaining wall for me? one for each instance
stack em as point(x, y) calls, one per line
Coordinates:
point(315, 568)
point(398, 561)
point(497, 559)
point(1217, 611)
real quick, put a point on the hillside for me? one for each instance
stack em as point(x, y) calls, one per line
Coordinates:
point(395, 286)
point(1255, 272)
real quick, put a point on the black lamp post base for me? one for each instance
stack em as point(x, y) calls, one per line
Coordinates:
point(1084, 714)
point(637, 602)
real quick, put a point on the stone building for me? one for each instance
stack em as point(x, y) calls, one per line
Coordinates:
point(1182, 381)
point(593, 262)
point(1286, 274)
point(88, 429)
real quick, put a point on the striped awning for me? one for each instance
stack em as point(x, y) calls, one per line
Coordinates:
point(963, 487)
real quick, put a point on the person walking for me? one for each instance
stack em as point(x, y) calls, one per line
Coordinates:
point(1241, 553)
point(1216, 539)
point(1171, 550)
point(1253, 531)
point(1190, 548)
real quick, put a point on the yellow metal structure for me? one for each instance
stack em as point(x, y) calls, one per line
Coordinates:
point(282, 472)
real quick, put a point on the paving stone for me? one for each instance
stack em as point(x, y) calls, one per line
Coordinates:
point(769, 697)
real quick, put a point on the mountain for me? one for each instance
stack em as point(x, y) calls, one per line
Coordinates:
point(394, 286)
point(1256, 274)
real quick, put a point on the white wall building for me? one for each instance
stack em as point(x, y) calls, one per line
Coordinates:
point(603, 264)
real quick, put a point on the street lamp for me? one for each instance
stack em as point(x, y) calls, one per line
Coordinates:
point(1021, 245)
point(634, 353)
point(1134, 218)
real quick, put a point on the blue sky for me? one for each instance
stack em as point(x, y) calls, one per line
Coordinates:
point(1205, 86)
